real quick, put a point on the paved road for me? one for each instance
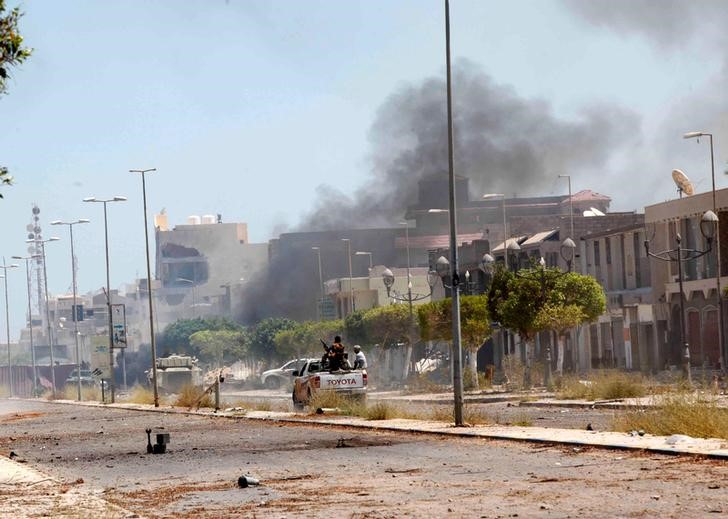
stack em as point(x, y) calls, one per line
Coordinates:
point(316, 471)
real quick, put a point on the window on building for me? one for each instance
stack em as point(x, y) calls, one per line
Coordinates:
point(637, 247)
point(597, 257)
point(608, 250)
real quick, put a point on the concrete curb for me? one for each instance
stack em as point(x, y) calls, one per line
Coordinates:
point(677, 444)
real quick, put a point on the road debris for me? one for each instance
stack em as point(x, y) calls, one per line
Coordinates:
point(246, 481)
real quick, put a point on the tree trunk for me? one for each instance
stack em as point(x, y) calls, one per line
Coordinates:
point(560, 354)
point(473, 365)
point(407, 361)
point(527, 363)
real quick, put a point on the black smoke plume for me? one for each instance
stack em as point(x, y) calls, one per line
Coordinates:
point(503, 143)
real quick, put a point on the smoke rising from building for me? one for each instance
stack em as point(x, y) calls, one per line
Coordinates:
point(503, 143)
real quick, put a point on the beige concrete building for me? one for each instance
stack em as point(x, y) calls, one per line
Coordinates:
point(370, 292)
point(202, 266)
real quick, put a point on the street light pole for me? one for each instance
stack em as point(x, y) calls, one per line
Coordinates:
point(143, 172)
point(7, 321)
point(321, 283)
point(721, 320)
point(505, 231)
point(571, 207)
point(30, 319)
point(47, 305)
point(105, 201)
point(351, 282)
point(192, 286)
point(457, 347)
point(74, 306)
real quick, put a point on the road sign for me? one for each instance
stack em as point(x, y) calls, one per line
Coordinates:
point(100, 354)
point(118, 320)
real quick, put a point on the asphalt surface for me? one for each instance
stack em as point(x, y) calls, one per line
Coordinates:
point(317, 471)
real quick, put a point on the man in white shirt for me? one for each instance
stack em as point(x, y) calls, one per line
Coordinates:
point(360, 361)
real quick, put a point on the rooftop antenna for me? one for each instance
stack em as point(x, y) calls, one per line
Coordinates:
point(683, 183)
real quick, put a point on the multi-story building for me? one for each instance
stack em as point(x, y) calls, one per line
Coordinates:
point(202, 266)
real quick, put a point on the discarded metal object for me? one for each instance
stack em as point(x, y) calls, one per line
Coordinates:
point(161, 446)
point(342, 442)
point(247, 481)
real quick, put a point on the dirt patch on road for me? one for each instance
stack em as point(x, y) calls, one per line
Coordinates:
point(13, 417)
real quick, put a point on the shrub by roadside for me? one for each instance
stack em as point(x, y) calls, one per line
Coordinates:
point(605, 385)
point(191, 396)
point(678, 413)
point(140, 395)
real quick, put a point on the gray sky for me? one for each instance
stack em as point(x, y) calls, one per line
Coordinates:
point(246, 108)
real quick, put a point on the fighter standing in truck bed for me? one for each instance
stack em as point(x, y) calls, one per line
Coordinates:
point(334, 354)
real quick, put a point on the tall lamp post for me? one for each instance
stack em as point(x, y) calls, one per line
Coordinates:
point(721, 319)
point(73, 310)
point(143, 173)
point(319, 311)
point(192, 286)
point(351, 285)
point(30, 318)
point(47, 304)
point(105, 201)
point(488, 196)
point(571, 208)
point(7, 321)
point(708, 227)
point(457, 346)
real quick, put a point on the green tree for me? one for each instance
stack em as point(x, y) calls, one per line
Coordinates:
point(575, 299)
point(12, 54)
point(262, 336)
point(219, 346)
point(435, 320)
point(538, 299)
point(176, 336)
point(519, 303)
point(12, 51)
point(354, 328)
point(304, 338)
point(390, 326)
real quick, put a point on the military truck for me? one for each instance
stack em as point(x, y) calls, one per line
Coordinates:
point(175, 372)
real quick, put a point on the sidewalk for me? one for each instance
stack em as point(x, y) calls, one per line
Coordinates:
point(26, 492)
point(675, 444)
point(617, 403)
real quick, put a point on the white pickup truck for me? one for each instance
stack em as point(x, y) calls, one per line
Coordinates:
point(313, 377)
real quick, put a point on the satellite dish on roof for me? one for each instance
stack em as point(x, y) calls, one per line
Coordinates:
point(596, 212)
point(682, 182)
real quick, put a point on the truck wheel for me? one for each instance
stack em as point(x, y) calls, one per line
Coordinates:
point(272, 383)
point(298, 406)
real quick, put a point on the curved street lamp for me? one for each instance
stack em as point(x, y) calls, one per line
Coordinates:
point(708, 227)
point(721, 319)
